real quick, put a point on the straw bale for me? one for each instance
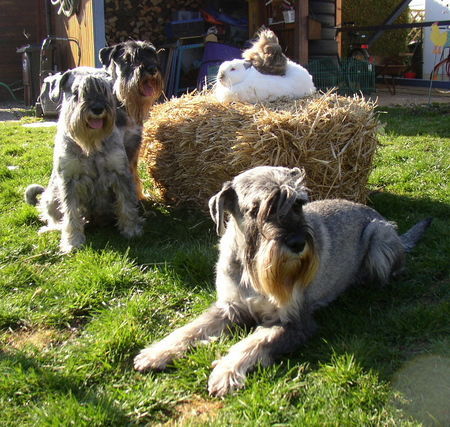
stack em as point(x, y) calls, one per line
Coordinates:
point(192, 144)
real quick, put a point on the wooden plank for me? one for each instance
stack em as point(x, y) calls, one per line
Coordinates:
point(255, 17)
point(81, 28)
point(338, 24)
point(301, 31)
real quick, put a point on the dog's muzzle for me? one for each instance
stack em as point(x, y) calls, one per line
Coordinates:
point(295, 242)
point(96, 119)
point(150, 81)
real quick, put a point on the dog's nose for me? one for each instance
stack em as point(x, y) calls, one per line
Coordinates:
point(295, 242)
point(151, 69)
point(97, 109)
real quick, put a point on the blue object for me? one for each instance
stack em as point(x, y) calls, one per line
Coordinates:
point(174, 84)
point(188, 28)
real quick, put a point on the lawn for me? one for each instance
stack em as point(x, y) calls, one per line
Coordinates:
point(71, 325)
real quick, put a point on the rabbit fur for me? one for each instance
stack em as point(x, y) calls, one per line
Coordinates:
point(238, 80)
point(266, 54)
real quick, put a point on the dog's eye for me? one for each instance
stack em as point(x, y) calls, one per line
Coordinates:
point(232, 69)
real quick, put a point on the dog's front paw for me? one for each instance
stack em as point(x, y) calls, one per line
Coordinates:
point(151, 359)
point(68, 245)
point(224, 379)
point(133, 230)
point(48, 228)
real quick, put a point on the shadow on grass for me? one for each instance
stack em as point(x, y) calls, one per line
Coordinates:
point(395, 207)
point(163, 227)
point(433, 120)
point(63, 389)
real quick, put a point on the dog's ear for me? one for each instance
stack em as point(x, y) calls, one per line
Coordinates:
point(57, 86)
point(299, 176)
point(104, 55)
point(298, 173)
point(107, 54)
point(222, 202)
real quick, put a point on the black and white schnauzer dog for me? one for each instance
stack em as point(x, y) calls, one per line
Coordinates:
point(138, 84)
point(280, 259)
point(91, 177)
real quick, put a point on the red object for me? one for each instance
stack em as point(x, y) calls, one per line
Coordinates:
point(410, 75)
point(364, 46)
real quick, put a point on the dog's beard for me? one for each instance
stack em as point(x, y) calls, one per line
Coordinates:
point(139, 93)
point(90, 131)
point(275, 270)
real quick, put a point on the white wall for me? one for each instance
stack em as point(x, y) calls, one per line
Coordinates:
point(435, 10)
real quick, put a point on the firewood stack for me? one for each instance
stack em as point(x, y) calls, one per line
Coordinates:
point(142, 19)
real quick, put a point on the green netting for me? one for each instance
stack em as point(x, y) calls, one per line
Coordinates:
point(349, 76)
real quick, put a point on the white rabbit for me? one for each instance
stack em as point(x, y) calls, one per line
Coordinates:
point(237, 80)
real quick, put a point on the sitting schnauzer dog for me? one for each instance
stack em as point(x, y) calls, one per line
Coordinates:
point(91, 177)
point(280, 259)
point(138, 83)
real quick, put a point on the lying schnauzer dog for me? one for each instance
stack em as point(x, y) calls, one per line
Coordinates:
point(280, 259)
point(91, 177)
point(138, 83)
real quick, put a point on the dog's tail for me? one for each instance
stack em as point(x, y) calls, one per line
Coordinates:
point(414, 234)
point(32, 192)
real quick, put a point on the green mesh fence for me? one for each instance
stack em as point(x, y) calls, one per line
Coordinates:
point(349, 76)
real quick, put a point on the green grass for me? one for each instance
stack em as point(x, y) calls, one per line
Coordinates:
point(71, 325)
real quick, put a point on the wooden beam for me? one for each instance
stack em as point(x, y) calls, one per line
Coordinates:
point(301, 31)
point(338, 14)
point(255, 16)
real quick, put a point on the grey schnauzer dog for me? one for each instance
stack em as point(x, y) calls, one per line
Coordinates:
point(138, 83)
point(91, 177)
point(280, 259)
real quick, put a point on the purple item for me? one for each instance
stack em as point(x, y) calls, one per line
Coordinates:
point(213, 55)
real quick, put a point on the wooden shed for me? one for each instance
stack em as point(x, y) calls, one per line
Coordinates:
point(22, 23)
point(306, 35)
point(309, 36)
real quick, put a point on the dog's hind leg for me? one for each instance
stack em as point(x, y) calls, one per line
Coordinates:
point(209, 325)
point(384, 251)
point(128, 220)
point(50, 209)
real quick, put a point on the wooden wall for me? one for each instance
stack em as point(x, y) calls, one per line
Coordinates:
point(297, 39)
point(21, 23)
point(79, 27)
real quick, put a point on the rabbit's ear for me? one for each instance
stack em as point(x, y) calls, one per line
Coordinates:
point(247, 64)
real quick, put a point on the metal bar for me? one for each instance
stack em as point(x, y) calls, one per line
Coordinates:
point(397, 12)
point(394, 26)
